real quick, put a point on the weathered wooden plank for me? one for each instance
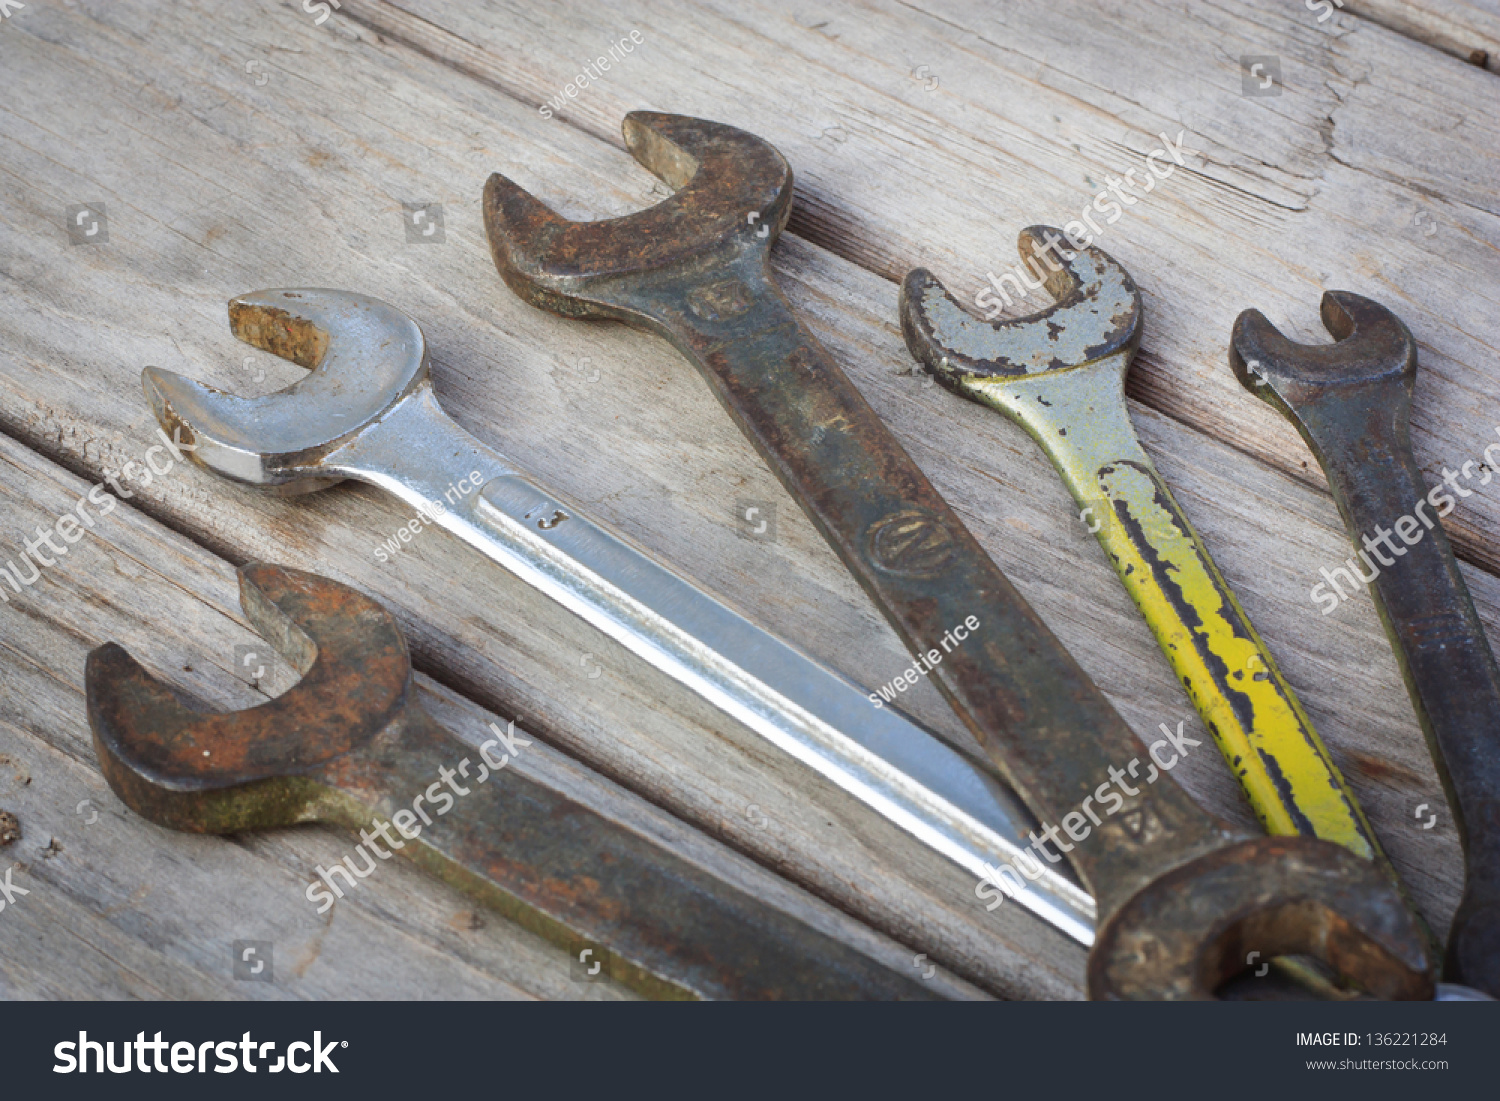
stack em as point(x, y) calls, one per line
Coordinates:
point(120, 908)
point(1468, 31)
point(928, 134)
point(217, 184)
point(627, 722)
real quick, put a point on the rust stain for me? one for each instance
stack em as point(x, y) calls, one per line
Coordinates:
point(315, 949)
point(22, 776)
point(1379, 768)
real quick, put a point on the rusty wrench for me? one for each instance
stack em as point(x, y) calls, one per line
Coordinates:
point(1351, 401)
point(1060, 374)
point(368, 412)
point(1179, 892)
point(350, 744)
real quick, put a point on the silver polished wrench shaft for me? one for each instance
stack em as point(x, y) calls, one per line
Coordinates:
point(389, 430)
point(907, 774)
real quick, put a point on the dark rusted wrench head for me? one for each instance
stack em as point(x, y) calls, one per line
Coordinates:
point(184, 767)
point(734, 196)
point(1373, 355)
point(350, 744)
point(1351, 401)
point(1200, 924)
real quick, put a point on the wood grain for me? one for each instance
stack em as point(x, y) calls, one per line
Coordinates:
point(216, 183)
point(1369, 166)
point(119, 907)
point(1468, 31)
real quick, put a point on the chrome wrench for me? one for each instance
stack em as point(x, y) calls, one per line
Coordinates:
point(368, 412)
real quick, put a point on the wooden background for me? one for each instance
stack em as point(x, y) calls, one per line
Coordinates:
point(236, 146)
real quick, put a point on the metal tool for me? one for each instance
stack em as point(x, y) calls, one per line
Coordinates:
point(1180, 893)
point(1351, 401)
point(1060, 374)
point(368, 412)
point(350, 744)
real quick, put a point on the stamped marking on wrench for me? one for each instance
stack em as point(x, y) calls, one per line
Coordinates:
point(350, 740)
point(912, 542)
point(720, 301)
point(367, 412)
point(1060, 374)
point(1174, 912)
point(1351, 401)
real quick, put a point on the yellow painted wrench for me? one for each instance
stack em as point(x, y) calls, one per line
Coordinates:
point(1060, 374)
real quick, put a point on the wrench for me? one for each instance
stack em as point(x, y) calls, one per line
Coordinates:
point(368, 412)
point(351, 744)
point(1352, 403)
point(1180, 893)
point(1060, 374)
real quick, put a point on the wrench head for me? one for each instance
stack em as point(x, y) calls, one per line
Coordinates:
point(364, 354)
point(1202, 923)
point(1372, 350)
point(734, 194)
point(178, 763)
point(1096, 315)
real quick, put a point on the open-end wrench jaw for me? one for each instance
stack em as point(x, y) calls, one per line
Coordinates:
point(364, 354)
point(1197, 926)
point(177, 763)
point(1372, 349)
point(1097, 313)
point(734, 196)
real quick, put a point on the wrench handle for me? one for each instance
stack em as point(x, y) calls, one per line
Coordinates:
point(1426, 610)
point(953, 804)
point(643, 916)
point(1080, 419)
point(1047, 727)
